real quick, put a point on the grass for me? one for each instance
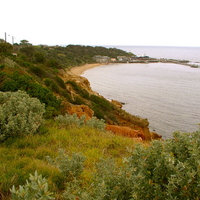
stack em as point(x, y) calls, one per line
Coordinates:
point(22, 156)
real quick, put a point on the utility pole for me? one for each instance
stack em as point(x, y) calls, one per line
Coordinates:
point(12, 39)
point(5, 36)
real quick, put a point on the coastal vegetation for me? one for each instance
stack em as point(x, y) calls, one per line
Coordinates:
point(54, 142)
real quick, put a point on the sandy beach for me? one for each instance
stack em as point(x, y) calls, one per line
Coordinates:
point(79, 70)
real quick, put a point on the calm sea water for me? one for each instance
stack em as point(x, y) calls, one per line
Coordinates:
point(182, 53)
point(166, 94)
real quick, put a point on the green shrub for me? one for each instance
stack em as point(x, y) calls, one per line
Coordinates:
point(82, 92)
point(67, 95)
point(22, 63)
point(70, 167)
point(103, 103)
point(48, 82)
point(167, 170)
point(27, 51)
point(70, 121)
point(9, 62)
point(103, 109)
point(17, 81)
point(53, 64)
point(78, 101)
point(96, 123)
point(38, 71)
point(163, 170)
point(34, 189)
point(39, 57)
point(19, 114)
point(52, 85)
point(2, 66)
point(98, 112)
point(111, 181)
point(5, 47)
point(60, 82)
point(44, 95)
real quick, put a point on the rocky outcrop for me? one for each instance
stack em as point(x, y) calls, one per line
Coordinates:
point(116, 103)
point(81, 110)
point(155, 136)
point(125, 131)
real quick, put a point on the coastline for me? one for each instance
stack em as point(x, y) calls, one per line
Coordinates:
point(79, 70)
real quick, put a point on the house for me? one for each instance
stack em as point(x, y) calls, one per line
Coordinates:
point(122, 58)
point(14, 54)
point(113, 60)
point(101, 59)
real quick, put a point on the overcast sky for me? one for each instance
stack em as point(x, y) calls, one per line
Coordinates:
point(102, 22)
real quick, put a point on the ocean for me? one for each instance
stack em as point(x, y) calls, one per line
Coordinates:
point(166, 94)
point(191, 54)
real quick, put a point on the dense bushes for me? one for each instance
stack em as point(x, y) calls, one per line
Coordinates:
point(17, 81)
point(72, 121)
point(37, 71)
point(163, 170)
point(70, 168)
point(5, 47)
point(19, 114)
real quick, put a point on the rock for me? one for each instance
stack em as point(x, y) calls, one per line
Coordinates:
point(125, 131)
point(155, 136)
point(116, 103)
point(81, 110)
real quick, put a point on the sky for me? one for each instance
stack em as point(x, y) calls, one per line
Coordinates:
point(102, 22)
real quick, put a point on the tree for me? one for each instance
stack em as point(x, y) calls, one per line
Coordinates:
point(53, 63)
point(5, 47)
point(28, 51)
point(24, 42)
point(2, 40)
point(39, 57)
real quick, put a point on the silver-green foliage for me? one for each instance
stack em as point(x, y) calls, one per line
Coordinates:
point(163, 170)
point(71, 121)
point(96, 123)
point(70, 167)
point(19, 114)
point(34, 189)
point(167, 170)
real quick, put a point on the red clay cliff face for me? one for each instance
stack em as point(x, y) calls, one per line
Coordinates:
point(81, 110)
point(125, 131)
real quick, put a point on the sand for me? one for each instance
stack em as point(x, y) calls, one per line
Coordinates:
point(81, 69)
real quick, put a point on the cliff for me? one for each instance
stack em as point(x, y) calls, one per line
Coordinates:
point(44, 73)
point(118, 121)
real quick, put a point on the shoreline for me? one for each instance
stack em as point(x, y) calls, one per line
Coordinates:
point(79, 70)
